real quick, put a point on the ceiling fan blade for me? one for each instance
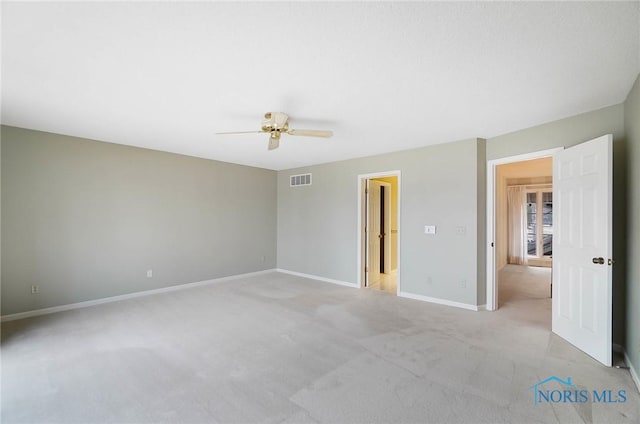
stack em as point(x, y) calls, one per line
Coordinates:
point(240, 132)
point(311, 133)
point(274, 141)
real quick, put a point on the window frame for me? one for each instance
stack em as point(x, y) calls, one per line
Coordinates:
point(539, 191)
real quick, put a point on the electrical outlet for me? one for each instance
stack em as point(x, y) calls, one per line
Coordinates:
point(461, 230)
point(264, 258)
point(429, 281)
point(149, 273)
point(463, 284)
point(35, 289)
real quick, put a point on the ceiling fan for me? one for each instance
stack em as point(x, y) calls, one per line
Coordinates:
point(276, 124)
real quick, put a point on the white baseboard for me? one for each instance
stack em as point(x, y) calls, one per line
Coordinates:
point(482, 307)
point(438, 301)
point(316, 277)
point(88, 303)
point(632, 370)
point(400, 294)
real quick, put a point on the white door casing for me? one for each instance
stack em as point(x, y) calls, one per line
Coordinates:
point(363, 240)
point(363, 252)
point(582, 246)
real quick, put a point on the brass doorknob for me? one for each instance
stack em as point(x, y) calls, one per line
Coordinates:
point(598, 261)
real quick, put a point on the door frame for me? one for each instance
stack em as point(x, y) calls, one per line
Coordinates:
point(492, 289)
point(362, 178)
point(378, 217)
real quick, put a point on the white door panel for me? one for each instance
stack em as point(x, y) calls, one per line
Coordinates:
point(374, 231)
point(582, 285)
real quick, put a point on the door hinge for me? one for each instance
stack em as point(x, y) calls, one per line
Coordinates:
point(611, 261)
point(366, 269)
point(366, 191)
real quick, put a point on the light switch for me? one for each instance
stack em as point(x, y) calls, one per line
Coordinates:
point(429, 229)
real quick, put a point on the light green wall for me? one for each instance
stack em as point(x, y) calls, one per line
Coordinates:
point(569, 132)
point(632, 131)
point(564, 132)
point(481, 221)
point(317, 224)
point(85, 220)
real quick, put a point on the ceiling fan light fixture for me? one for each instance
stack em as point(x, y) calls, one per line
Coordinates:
point(274, 140)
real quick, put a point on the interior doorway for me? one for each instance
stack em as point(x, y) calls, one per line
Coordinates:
point(582, 278)
point(524, 237)
point(379, 244)
point(497, 250)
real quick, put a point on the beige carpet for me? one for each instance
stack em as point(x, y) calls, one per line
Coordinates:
point(524, 293)
point(283, 349)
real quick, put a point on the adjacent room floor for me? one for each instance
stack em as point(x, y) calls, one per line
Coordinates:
point(386, 282)
point(525, 293)
point(282, 349)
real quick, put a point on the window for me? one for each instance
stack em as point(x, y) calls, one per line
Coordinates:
point(539, 223)
point(532, 224)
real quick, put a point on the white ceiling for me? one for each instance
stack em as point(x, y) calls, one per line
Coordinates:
point(382, 76)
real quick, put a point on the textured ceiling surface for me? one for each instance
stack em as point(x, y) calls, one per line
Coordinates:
point(382, 76)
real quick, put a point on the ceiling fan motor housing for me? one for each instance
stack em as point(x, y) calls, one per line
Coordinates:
point(275, 121)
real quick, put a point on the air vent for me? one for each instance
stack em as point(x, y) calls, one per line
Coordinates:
point(300, 180)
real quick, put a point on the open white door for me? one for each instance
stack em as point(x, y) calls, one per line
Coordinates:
point(373, 232)
point(582, 246)
point(385, 227)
